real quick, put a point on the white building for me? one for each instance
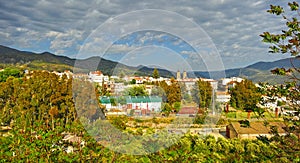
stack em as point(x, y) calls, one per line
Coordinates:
point(225, 81)
point(223, 97)
point(150, 103)
point(98, 77)
point(213, 82)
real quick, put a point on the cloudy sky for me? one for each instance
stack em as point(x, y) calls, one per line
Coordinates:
point(227, 28)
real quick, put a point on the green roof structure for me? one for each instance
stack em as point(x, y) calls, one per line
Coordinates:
point(130, 99)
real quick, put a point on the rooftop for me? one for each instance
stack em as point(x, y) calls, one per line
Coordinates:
point(257, 128)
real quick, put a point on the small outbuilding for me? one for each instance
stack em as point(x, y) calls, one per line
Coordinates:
point(253, 129)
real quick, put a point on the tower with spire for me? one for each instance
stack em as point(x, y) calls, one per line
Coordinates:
point(178, 76)
point(184, 75)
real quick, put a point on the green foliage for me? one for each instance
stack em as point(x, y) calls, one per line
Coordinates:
point(159, 91)
point(200, 118)
point(166, 108)
point(49, 147)
point(173, 92)
point(7, 72)
point(169, 93)
point(133, 81)
point(287, 41)
point(245, 95)
point(38, 97)
point(202, 93)
point(102, 89)
point(119, 122)
point(136, 91)
point(177, 106)
point(155, 73)
point(34, 139)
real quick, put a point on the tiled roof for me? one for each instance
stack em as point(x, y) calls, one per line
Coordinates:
point(257, 128)
point(188, 110)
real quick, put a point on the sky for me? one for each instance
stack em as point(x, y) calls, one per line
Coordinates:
point(182, 34)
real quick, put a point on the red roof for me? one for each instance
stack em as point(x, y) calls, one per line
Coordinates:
point(188, 110)
point(96, 72)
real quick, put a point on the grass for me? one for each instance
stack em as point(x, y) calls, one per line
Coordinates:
point(244, 115)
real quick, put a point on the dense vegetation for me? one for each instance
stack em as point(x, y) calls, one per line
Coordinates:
point(202, 93)
point(38, 97)
point(37, 111)
point(287, 41)
point(245, 95)
point(40, 109)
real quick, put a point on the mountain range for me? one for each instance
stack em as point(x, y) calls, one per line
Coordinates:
point(258, 72)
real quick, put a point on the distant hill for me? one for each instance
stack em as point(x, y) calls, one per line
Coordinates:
point(258, 72)
point(40, 61)
point(286, 63)
point(13, 56)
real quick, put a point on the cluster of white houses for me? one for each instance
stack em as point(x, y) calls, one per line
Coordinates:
point(116, 88)
point(144, 105)
point(147, 105)
point(132, 105)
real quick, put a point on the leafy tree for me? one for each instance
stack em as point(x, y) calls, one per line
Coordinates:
point(166, 108)
point(245, 95)
point(136, 91)
point(287, 41)
point(155, 73)
point(173, 92)
point(101, 90)
point(159, 91)
point(169, 93)
point(122, 74)
point(177, 106)
point(133, 81)
point(202, 93)
point(37, 97)
point(10, 72)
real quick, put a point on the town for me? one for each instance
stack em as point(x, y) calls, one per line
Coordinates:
point(116, 85)
point(151, 103)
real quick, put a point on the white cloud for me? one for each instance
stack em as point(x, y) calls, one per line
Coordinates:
point(233, 25)
point(62, 40)
point(120, 48)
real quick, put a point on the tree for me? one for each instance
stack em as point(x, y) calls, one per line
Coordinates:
point(121, 74)
point(39, 97)
point(159, 91)
point(10, 72)
point(173, 92)
point(155, 73)
point(245, 95)
point(133, 81)
point(166, 108)
point(202, 93)
point(136, 91)
point(177, 106)
point(287, 41)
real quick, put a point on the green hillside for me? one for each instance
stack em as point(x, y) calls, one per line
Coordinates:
point(258, 72)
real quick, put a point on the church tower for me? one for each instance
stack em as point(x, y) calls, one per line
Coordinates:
point(178, 76)
point(184, 75)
